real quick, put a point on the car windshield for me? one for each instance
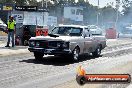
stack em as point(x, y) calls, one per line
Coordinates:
point(92, 27)
point(67, 31)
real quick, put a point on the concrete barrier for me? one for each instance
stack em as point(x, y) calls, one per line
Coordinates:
point(3, 33)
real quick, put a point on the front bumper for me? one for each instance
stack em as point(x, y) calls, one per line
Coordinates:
point(50, 51)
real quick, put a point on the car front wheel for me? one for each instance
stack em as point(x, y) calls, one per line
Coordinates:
point(75, 54)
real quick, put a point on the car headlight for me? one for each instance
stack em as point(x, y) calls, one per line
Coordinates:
point(58, 45)
point(37, 44)
point(65, 45)
point(32, 43)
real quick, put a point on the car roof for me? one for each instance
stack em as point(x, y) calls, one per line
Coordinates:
point(80, 26)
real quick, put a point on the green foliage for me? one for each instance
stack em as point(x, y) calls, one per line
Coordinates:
point(32, 2)
point(108, 13)
point(6, 1)
point(81, 1)
point(20, 2)
point(71, 1)
point(127, 11)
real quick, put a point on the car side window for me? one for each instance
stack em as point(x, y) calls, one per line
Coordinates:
point(75, 32)
point(55, 30)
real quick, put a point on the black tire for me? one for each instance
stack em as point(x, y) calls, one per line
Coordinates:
point(38, 55)
point(97, 52)
point(75, 54)
point(81, 80)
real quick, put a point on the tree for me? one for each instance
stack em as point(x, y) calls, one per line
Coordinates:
point(81, 1)
point(6, 1)
point(32, 2)
point(21, 2)
point(55, 1)
point(71, 1)
point(108, 14)
point(126, 6)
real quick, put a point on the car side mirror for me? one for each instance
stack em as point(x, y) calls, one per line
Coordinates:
point(84, 36)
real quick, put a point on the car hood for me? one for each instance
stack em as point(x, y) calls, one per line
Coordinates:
point(60, 38)
point(3, 25)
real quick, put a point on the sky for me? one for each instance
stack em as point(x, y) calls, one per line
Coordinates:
point(95, 2)
point(102, 3)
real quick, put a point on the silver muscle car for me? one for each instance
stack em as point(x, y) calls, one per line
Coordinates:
point(69, 40)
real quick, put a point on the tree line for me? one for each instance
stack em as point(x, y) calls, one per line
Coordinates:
point(107, 14)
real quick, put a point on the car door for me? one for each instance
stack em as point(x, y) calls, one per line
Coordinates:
point(88, 43)
point(94, 41)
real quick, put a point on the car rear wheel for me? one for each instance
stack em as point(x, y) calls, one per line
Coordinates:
point(97, 52)
point(38, 55)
